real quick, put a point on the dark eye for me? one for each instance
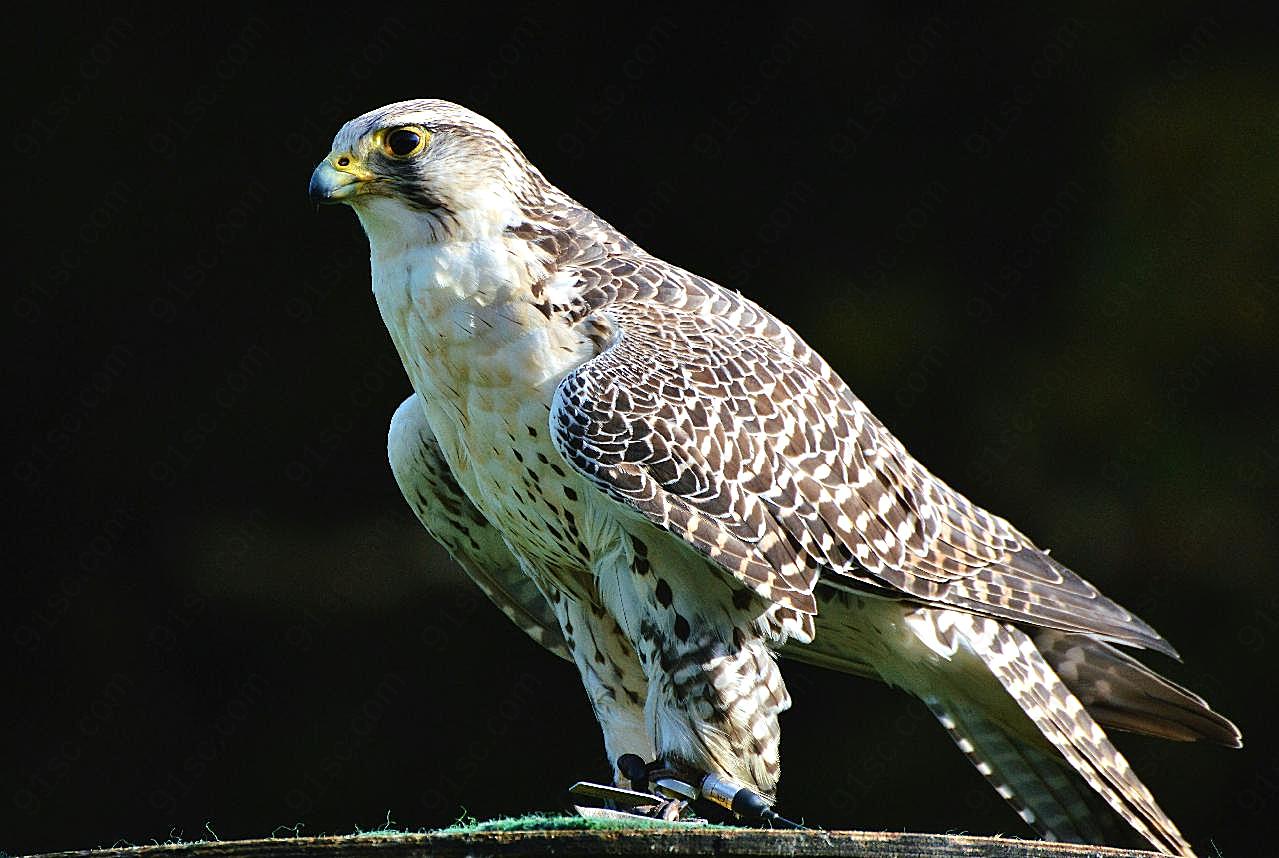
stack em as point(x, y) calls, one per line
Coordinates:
point(403, 142)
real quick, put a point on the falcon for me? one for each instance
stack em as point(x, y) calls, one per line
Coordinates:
point(662, 483)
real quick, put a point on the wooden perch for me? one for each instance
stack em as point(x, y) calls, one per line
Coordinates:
point(580, 844)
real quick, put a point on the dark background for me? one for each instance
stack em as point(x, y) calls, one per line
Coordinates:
point(1042, 248)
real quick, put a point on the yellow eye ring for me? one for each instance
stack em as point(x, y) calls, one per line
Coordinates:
point(405, 142)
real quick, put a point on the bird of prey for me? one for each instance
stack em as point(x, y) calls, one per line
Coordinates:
point(661, 482)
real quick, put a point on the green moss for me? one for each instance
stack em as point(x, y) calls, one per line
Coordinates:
point(387, 828)
point(553, 822)
point(465, 824)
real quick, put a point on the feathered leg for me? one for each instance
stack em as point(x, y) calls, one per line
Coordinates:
point(714, 687)
point(615, 683)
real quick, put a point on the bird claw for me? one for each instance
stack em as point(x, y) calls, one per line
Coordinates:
point(667, 809)
point(672, 788)
point(621, 803)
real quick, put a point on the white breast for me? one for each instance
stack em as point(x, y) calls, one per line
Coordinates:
point(466, 324)
point(485, 361)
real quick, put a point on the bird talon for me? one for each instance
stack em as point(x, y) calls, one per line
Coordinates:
point(672, 787)
point(667, 810)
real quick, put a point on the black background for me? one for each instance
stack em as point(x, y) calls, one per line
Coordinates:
point(1041, 247)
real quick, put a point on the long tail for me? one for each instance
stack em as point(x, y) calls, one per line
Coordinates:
point(1028, 713)
point(1011, 656)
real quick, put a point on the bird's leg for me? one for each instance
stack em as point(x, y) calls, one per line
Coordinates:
point(714, 698)
point(615, 683)
point(679, 788)
point(714, 690)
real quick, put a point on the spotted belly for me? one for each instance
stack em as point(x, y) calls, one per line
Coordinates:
point(505, 462)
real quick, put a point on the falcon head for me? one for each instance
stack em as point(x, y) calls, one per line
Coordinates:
point(428, 169)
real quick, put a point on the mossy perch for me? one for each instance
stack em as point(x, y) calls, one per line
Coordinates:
point(579, 843)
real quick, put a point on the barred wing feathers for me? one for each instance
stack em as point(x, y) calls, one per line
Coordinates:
point(717, 423)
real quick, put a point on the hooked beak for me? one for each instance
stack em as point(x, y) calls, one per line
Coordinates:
point(337, 178)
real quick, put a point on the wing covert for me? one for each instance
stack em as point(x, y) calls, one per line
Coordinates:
point(718, 424)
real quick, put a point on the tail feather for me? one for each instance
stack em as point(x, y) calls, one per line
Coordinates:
point(1036, 735)
point(1124, 694)
point(1029, 778)
point(1059, 715)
